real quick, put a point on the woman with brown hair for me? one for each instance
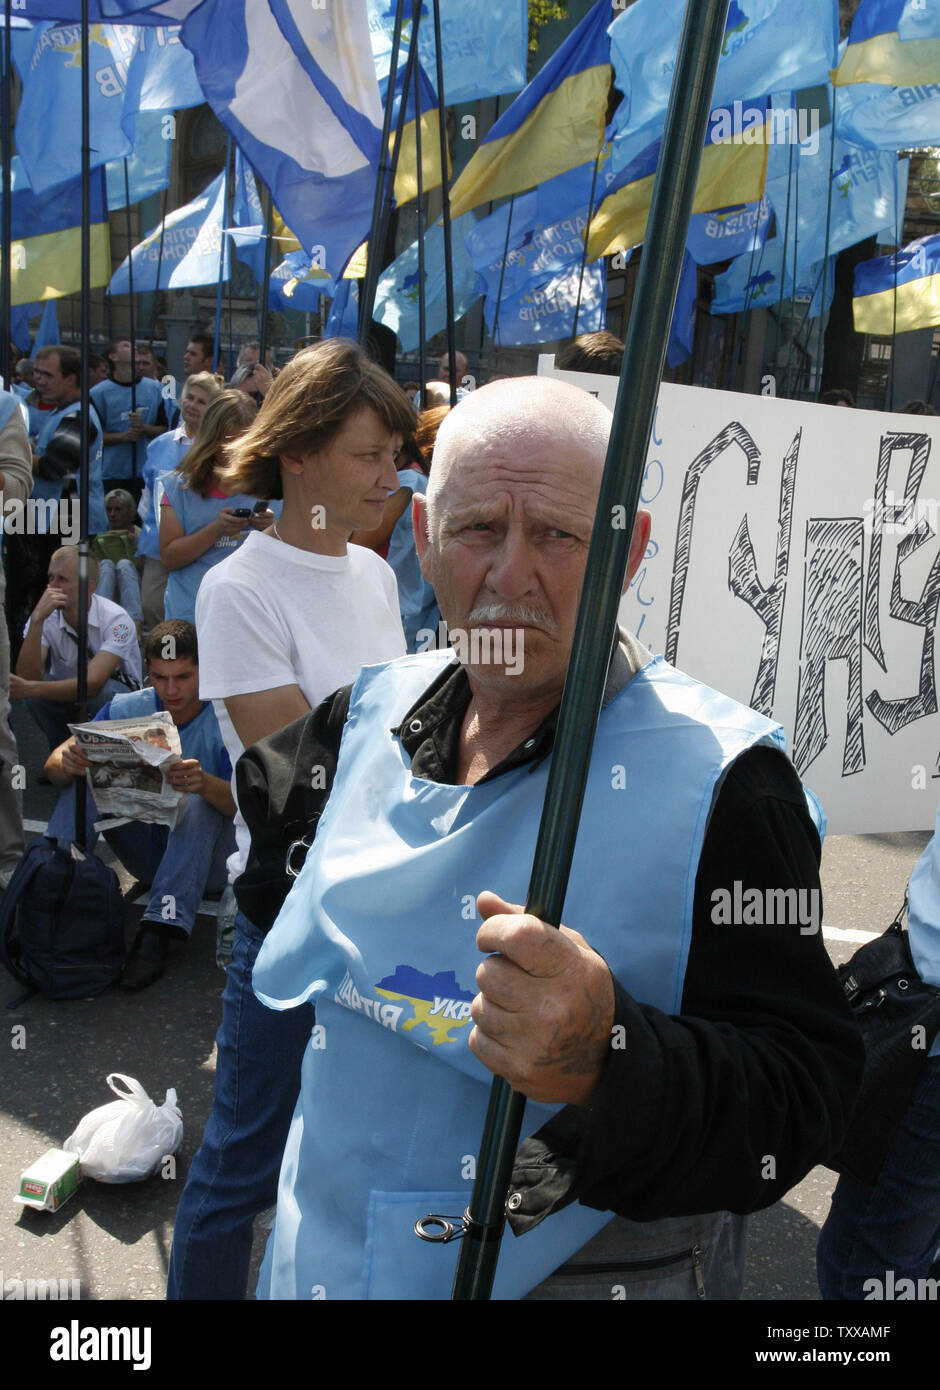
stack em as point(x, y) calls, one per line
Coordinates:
point(287, 620)
point(201, 520)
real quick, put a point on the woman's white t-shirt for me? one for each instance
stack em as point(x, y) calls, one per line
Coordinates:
point(272, 615)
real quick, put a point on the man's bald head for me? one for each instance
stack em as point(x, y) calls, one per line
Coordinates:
point(529, 409)
point(443, 367)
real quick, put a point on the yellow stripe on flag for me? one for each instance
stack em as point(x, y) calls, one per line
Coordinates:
point(356, 270)
point(406, 175)
point(565, 130)
point(888, 59)
point(50, 266)
point(728, 174)
point(918, 307)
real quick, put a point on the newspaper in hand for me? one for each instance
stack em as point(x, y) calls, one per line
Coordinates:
point(129, 762)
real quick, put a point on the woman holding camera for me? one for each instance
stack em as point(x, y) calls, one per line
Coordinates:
point(200, 523)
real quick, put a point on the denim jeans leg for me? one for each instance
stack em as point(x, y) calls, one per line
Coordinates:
point(192, 854)
point(234, 1175)
point(107, 580)
point(894, 1225)
point(129, 589)
point(61, 825)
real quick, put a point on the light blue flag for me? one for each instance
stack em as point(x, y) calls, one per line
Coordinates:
point(248, 217)
point(728, 232)
point(546, 236)
point(148, 166)
point(869, 192)
point(485, 46)
point(682, 329)
point(49, 121)
point(160, 75)
point(20, 316)
point(47, 334)
point(889, 118)
point(396, 299)
point(544, 311)
point(101, 11)
point(192, 245)
point(769, 44)
point(297, 283)
point(343, 321)
point(754, 282)
point(271, 92)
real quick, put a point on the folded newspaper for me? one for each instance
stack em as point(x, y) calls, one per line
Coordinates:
point(130, 759)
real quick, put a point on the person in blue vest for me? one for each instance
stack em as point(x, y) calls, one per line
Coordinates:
point(132, 413)
point(58, 374)
point(163, 455)
point(879, 1235)
point(183, 864)
point(201, 523)
point(681, 1065)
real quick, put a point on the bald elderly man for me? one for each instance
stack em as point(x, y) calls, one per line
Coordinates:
point(675, 1063)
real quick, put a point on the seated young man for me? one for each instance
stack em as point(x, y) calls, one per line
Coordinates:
point(180, 864)
point(47, 666)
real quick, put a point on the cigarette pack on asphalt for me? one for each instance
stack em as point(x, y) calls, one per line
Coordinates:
point(50, 1181)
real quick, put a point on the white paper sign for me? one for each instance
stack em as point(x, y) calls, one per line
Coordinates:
point(794, 564)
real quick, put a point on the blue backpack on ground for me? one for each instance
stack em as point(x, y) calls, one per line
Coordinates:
point(62, 922)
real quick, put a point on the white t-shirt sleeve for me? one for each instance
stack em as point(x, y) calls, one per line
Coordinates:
point(120, 638)
point(243, 647)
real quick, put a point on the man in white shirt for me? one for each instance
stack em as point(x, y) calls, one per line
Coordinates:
point(47, 666)
point(16, 481)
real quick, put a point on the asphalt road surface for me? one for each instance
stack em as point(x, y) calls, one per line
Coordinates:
point(115, 1239)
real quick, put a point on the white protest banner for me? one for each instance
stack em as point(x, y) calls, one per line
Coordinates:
point(794, 564)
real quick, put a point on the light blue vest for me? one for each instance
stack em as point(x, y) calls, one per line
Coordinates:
point(380, 928)
point(163, 455)
point(97, 516)
point(194, 512)
point(419, 610)
point(113, 402)
point(923, 916)
point(201, 738)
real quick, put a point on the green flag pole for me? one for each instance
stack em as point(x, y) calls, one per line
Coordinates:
point(689, 103)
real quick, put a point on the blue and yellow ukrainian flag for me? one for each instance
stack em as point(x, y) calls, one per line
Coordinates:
point(732, 171)
point(45, 246)
point(916, 271)
point(892, 42)
point(554, 125)
point(406, 174)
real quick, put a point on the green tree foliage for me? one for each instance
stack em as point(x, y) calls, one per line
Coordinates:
point(542, 12)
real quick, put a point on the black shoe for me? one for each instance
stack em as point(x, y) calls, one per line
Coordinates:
point(147, 959)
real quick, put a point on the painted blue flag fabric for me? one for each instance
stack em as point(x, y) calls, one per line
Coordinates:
point(49, 121)
point(148, 165)
point(768, 45)
point(896, 42)
point(261, 85)
point(298, 282)
point(889, 118)
point(682, 329)
point(192, 246)
point(396, 300)
point(546, 309)
point(45, 253)
point(754, 282)
point(160, 74)
point(728, 232)
point(343, 321)
point(869, 191)
point(485, 47)
point(899, 293)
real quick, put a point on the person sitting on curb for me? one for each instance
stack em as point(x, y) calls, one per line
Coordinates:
point(182, 864)
point(46, 668)
point(115, 551)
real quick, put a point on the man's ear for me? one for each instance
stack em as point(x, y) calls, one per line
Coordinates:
point(638, 544)
point(419, 523)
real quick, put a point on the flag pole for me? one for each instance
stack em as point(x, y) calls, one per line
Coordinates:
point(825, 284)
point(689, 104)
point(419, 171)
point(84, 422)
point(502, 276)
point(384, 179)
point(898, 234)
point(796, 245)
point(156, 293)
point(783, 262)
point(130, 292)
point(217, 336)
point(445, 210)
point(266, 286)
point(6, 147)
point(577, 307)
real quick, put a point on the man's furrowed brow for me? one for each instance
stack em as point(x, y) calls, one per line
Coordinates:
point(468, 513)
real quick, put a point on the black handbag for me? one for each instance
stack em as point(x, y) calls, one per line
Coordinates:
point(899, 1017)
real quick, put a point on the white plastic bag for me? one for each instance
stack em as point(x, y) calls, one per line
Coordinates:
point(127, 1140)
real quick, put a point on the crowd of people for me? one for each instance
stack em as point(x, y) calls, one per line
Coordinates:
point(267, 568)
